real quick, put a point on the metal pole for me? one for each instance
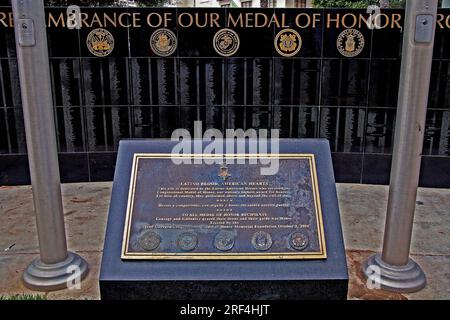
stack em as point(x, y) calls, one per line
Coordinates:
point(51, 271)
point(396, 271)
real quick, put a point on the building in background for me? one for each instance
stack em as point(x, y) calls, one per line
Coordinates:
point(246, 3)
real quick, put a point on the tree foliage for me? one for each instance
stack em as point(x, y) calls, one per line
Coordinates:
point(358, 4)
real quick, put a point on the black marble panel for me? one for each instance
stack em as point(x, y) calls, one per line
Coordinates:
point(202, 81)
point(9, 84)
point(344, 19)
point(384, 83)
point(380, 131)
point(117, 28)
point(250, 81)
point(435, 172)
point(197, 40)
point(439, 97)
point(74, 167)
point(376, 169)
point(105, 81)
point(155, 122)
point(145, 21)
point(253, 37)
point(249, 117)
point(66, 80)
point(296, 121)
point(7, 40)
point(345, 82)
point(347, 167)
point(70, 129)
point(343, 127)
point(388, 40)
point(310, 27)
point(296, 81)
point(154, 81)
point(442, 39)
point(12, 131)
point(14, 170)
point(106, 126)
point(62, 41)
point(212, 117)
point(437, 133)
point(102, 166)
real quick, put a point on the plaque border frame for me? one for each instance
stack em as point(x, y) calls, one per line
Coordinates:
point(322, 254)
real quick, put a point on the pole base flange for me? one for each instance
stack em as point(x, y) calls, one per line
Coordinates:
point(405, 279)
point(40, 276)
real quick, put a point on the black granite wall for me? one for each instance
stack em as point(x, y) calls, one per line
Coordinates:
point(132, 93)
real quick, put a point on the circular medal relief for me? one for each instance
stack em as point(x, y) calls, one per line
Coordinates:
point(187, 241)
point(149, 241)
point(299, 241)
point(226, 42)
point(262, 241)
point(163, 42)
point(288, 42)
point(224, 241)
point(100, 42)
point(350, 43)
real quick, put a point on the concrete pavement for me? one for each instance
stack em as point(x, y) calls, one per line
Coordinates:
point(362, 210)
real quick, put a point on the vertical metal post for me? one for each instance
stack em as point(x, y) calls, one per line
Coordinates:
point(396, 271)
point(51, 271)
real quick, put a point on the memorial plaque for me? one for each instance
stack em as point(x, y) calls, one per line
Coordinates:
point(228, 211)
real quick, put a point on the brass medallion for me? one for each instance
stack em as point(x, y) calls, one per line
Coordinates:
point(100, 42)
point(350, 43)
point(262, 241)
point(224, 240)
point(187, 241)
point(226, 42)
point(288, 42)
point(299, 241)
point(149, 241)
point(163, 42)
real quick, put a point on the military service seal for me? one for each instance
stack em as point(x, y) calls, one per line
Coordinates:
point(100, 42)
point(288, 42)
point(299, 241)
point(187, 241)
point(350, 43)
point(262, 241)
point(163, 42)
point(149, 241)
point(224, 240)
point(226, 42)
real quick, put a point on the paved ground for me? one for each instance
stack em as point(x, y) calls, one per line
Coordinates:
point(362, 211)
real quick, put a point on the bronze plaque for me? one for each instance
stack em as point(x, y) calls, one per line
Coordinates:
point(228, 211)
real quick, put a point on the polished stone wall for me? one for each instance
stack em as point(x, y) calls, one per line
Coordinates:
point(133, 93)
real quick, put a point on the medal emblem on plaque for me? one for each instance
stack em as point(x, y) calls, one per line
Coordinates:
point(100, 42)
point(350, 43)
point(163, 42)
point(226, 42)
point(288, 42)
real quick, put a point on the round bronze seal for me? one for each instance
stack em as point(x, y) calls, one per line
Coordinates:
point(163, 42)
point(299, 241)
point(100, 42)
point(224, 241)
point(149, 241)
point(226, 42)
point(288, 42)
point(262, 241)
point(187, 241)
point(350, 43)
